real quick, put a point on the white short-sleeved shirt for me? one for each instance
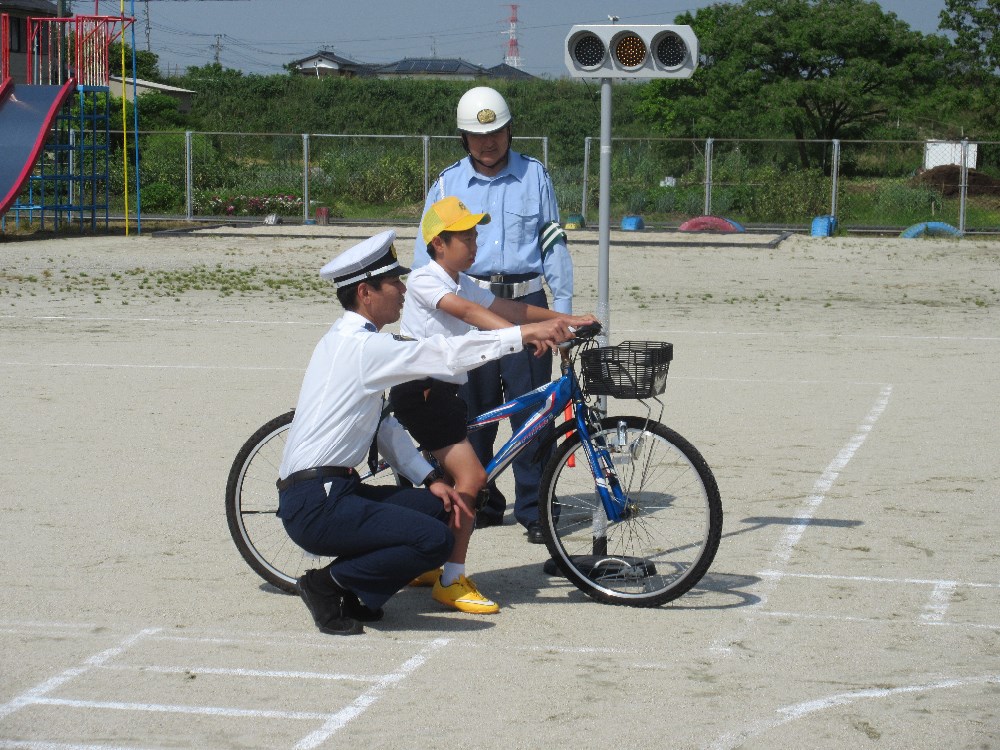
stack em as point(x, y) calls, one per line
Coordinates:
point(421, 317)
point(341, 398)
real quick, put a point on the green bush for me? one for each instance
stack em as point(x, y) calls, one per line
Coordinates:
point(162, 198)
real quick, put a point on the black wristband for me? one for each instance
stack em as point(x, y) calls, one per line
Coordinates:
point(435, 475)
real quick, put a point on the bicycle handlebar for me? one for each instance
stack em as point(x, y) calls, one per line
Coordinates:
point(586, 332)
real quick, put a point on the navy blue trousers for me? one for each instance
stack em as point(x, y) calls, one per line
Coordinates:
point(382, 536)
point(491, 385)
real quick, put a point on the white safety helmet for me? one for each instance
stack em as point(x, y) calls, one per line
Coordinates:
point(482, 110)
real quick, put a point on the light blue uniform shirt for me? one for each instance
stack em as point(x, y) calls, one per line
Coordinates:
point(520, 201)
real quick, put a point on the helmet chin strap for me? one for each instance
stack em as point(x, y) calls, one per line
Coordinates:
point(506, 152)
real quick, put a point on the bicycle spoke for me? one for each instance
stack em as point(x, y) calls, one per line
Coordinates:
point(670, 523)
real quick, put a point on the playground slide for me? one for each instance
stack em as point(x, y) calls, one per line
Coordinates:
point(26, 114)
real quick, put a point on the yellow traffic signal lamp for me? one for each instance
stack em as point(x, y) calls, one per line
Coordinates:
point(613, 51)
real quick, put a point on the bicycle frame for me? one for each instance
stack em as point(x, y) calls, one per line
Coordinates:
point(551, 399)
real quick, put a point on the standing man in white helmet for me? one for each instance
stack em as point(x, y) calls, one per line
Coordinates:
point(518, 253)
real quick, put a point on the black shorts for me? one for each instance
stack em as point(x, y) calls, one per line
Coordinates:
point(431, 411)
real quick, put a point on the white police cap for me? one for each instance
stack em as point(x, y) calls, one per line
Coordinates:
point(374, 258)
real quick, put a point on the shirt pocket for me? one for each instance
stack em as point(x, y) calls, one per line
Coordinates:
point(522, 221)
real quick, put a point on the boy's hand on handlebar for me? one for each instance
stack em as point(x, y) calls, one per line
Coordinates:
point(578, 321)
point(546, 335)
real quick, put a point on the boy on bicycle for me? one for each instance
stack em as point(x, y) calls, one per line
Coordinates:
point(442, 299)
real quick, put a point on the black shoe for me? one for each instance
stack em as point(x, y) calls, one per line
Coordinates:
point(327, 609)
point(354, 608)
point(534, 532)
point(485, 520)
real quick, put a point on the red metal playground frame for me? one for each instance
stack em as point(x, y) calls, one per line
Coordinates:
point(77, 51)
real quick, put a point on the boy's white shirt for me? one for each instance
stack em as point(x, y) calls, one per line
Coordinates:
point(422, 318)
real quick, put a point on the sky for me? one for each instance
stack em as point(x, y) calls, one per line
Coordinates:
point(261, 36)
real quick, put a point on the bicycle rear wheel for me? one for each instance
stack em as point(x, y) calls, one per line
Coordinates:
point(672, 525)
point(251, 505)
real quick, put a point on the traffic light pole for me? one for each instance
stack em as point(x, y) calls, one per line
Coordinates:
point(604, 217)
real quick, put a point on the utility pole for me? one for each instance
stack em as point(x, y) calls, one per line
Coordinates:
point(218, 48)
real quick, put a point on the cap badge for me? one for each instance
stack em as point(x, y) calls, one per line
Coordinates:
point(392, 251)
point(486, 116)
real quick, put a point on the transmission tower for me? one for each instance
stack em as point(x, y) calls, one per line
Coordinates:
point(513, 56)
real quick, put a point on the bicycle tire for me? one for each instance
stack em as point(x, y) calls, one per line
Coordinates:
point(667, 542)
point(251, 505)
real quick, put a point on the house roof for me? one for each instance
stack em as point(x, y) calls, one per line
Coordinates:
point(431, 65)
point(31, 6)
point(328, 57)
point(417, 66)
point(151, 85)
point(503, 70)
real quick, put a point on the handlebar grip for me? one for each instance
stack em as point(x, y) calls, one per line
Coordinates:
point(586, 332)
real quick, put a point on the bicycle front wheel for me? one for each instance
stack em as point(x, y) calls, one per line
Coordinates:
point(672, 522)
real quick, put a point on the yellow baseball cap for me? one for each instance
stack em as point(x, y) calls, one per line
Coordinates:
point(449, 215)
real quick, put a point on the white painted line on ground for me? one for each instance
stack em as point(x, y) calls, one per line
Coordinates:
point(782, 551)
point(367, 699)
point(37, 694)
point(788, 714)
point(813, 335)
point(185, 321)
point(686, 332)
point(100, 365)
point(876, 579)
point(877, 620)
point(939, 601)
point(272, 673)
point(177, 709)
point(46, 745)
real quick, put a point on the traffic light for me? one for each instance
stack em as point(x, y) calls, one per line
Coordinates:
point(612, 51)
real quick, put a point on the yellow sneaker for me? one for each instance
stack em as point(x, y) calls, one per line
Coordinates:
point(427, 579)
point(464, 596)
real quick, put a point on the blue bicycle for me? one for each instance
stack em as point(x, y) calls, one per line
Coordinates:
point(630, 510)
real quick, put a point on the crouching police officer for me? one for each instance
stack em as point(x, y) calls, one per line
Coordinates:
point(381, 537)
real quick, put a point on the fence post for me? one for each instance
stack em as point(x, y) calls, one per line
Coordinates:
point(427, 164)
point(708, 176)
point(188, 175)
point(835, 177)
point(545, 151)
point(305, 178)
point(964, 188)
point(586, 171)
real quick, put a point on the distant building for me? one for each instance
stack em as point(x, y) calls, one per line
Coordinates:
point(327, 64)
point(181, 96)
point(509, 72)
point(450, 68)
point(18, 13)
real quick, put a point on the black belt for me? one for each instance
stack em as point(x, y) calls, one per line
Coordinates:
point(505, 278)
point(317, 472)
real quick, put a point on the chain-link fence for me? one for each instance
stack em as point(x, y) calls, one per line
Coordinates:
point(197, 175)
point(867, 185)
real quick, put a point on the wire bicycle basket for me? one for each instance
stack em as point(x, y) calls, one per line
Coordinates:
point(632, 369)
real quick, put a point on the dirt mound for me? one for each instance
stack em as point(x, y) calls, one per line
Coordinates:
point(947, 179)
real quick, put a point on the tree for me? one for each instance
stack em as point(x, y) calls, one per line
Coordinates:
point(811, 69)
point(146, 63)
point(976, 24)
